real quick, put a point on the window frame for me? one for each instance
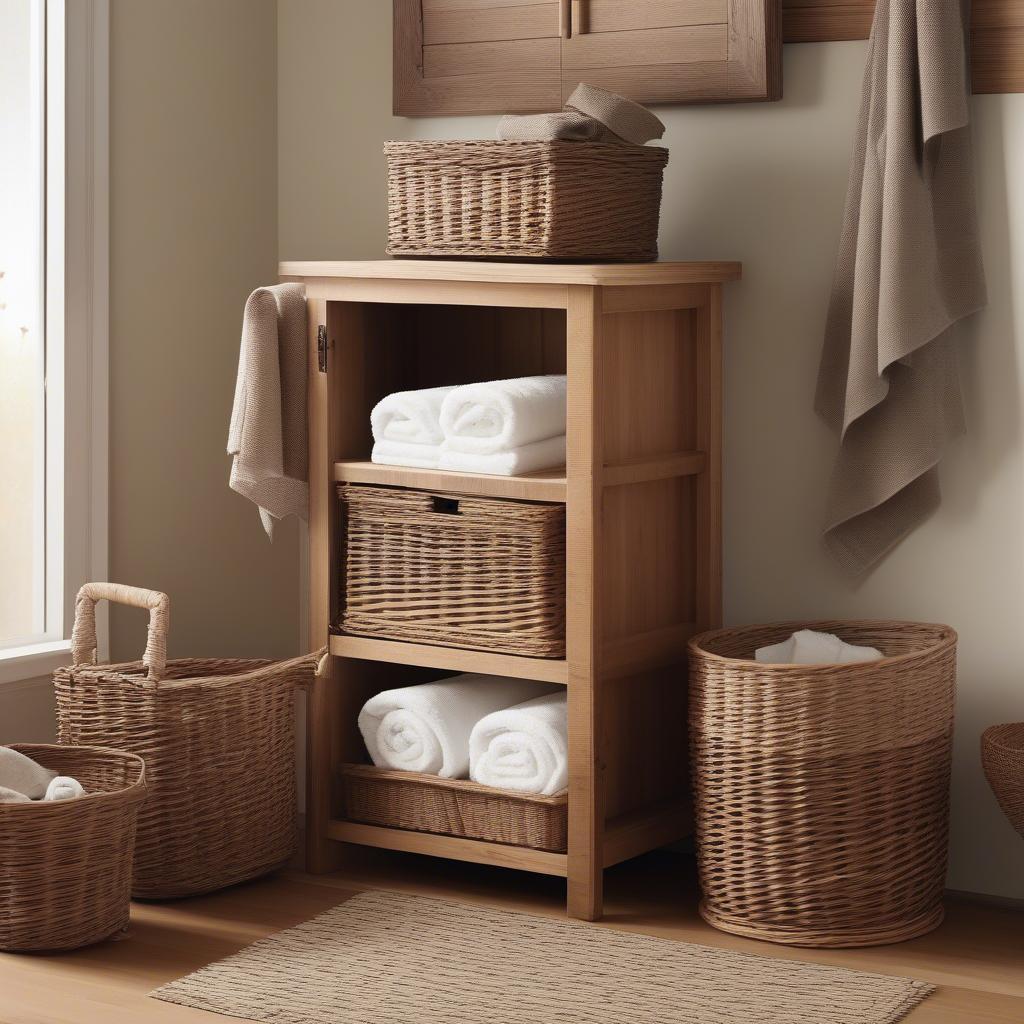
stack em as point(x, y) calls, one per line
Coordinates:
point(77, 325)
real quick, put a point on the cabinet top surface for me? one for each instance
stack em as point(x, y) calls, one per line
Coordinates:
point(710, 272)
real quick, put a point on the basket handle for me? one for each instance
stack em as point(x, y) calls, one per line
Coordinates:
point(83, 636)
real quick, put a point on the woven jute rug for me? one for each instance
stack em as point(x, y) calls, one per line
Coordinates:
point(386, 958)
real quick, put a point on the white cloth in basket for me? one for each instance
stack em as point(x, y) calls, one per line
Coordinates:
point(426, 728)
point(23, 775)
point(807, 647)
point(524, 748)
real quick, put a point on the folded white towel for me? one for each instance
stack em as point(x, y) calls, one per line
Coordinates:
point(426, 728)
point(525, 748)
point(528, 458)
point(402, 453)
point(499, 415)
point(12, 796)
point(806, 647)
point(63, 787)
point(410, 417)
point(23, 775)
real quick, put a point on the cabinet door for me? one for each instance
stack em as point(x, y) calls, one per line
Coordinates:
point(476, 56)
point(675, 51)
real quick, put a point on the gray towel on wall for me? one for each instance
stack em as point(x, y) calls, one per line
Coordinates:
point(909, 267)
point(268, 433)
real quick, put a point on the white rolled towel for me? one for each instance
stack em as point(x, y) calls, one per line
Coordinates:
point(23, 775)
point(524, 748)
point(528, 458)
point(500, 415)
point(406, 428)
point(63, 787)
point(807, 647)
point(426, 728)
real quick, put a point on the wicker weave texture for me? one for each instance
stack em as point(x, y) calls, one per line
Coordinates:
point(480, 573)
point(218, 739)
point(66, 865)
point(822, 791)
point(545, 200)
point(453, 807)
point(1002, 755)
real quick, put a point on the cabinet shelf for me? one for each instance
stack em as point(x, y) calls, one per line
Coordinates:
point(397, 652)
point(548, 485)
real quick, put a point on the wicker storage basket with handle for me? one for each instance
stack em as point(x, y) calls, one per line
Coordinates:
point(218, 739)
point(66, 865)
point(822, 791)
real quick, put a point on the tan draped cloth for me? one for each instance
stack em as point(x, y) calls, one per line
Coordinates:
point(268, 432)
point(909, 267)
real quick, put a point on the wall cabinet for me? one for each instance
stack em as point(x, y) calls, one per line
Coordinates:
point(511, 56)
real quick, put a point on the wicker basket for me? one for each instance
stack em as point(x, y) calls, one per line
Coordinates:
point(218, 739)
point(540, 200)
point(1002, 756)
point(822, 791)
point(453, 807)
point(66, 865)
point(481, 573)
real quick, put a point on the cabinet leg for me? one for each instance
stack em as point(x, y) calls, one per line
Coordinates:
point(585, 888)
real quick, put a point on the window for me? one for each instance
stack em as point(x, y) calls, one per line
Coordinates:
point(53, 320)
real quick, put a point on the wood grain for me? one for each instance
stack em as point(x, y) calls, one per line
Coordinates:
point(975, 957)
point(666, 272)
point(997, 35)
point(462, 57)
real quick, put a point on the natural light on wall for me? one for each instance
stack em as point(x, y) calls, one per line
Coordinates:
point(22, 339)
point(54, 103)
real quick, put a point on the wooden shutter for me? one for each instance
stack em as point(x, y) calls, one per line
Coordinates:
point(675, 51)
point(476, 56)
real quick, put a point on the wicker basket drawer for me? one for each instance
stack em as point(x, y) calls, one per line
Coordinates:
point(546, 200)
point(449, 569)
point(453, 807)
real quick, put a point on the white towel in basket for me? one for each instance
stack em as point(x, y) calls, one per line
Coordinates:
point(525, 748)
point(807, 647)
point(426, 728)
point(500, 415)
point(24, 775)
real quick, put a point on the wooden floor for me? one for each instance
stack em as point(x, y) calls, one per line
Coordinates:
point(976, 958)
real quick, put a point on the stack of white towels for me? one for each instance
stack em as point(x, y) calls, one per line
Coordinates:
point(23, 780)
point(508, 733)
point(501, 427)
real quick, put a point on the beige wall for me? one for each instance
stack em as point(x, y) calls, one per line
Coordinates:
point(193, 231)
point(763, 184)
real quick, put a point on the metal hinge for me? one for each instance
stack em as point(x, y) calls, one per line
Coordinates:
point(321, 348)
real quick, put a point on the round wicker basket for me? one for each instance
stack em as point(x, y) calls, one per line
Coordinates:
point(66, 865)
point(1002, 756)
point(822, 791)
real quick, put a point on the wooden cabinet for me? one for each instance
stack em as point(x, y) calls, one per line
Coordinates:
point(641, 347)
point(511, 56)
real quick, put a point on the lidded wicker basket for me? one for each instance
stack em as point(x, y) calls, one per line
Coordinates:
point(218, 739)
point(452, 569)
point(1002, 756)
point(66, 865)
point(822, 791)
point(527, 200)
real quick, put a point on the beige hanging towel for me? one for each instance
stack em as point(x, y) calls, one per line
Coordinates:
point(909, 267)
point(268, 421)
